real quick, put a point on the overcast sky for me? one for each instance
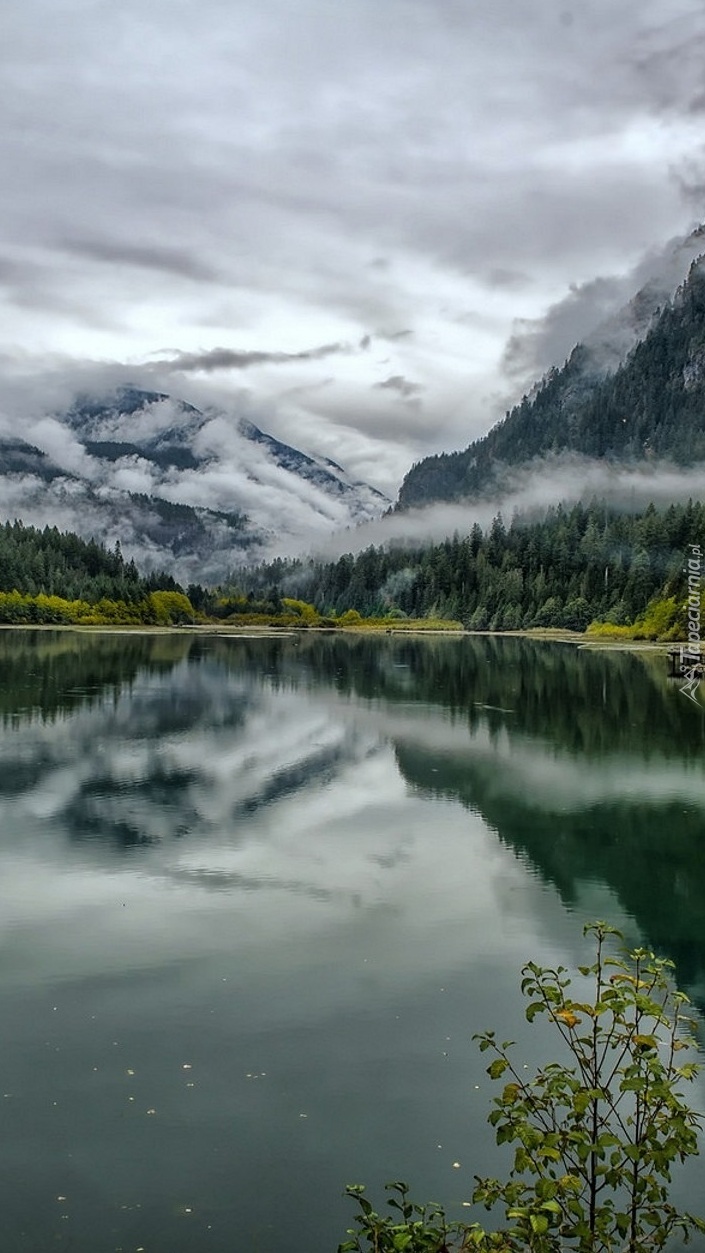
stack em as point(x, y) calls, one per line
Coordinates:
point(350, 219)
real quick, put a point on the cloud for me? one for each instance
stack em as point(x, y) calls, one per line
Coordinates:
point(231, 359)
point(529, 491)
point(669, 59)
point(502, 276)
point(158, 257)
point(391, 336)
point(308, 177)
point(601, 312)
point(397, 383)
point(63, 448)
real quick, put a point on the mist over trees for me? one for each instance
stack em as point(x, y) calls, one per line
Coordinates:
point(580, 563)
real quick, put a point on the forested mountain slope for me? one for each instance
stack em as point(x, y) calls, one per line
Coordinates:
point(651, 407)
point(188, 489)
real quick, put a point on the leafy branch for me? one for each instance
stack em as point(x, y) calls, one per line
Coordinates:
point(595, 1137)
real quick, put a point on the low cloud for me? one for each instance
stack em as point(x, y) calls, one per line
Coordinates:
point(62, 447)
point(529, 492)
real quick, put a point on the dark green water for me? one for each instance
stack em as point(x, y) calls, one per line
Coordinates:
point(256, 896)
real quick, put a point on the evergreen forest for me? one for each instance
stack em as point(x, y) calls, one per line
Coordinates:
point(578, 565)
point(577, 568)
point(53, 577)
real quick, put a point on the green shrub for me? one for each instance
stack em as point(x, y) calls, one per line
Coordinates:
point(594, 1138)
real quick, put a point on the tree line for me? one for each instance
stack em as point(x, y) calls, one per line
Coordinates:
point(577, 565)
point(53, 577)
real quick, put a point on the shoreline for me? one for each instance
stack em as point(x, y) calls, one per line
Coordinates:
point(550, 635)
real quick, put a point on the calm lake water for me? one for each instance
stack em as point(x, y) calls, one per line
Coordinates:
point(256, 896)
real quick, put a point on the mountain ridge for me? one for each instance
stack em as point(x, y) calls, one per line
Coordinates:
point(199, 490)
point(660, 386)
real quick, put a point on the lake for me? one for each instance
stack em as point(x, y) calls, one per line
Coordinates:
point(257, 895)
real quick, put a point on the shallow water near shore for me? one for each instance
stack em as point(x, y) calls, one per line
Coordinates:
point(256, 895)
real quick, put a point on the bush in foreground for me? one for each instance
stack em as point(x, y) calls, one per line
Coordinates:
point(594, 1137)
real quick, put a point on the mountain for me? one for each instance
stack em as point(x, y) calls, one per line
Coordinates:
point(658, 278)
point(170, 434)
point(650, 407)
point(181, 488)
